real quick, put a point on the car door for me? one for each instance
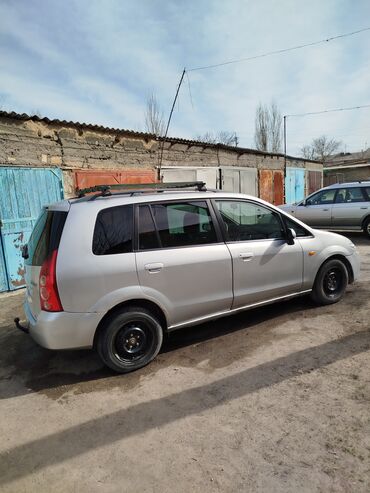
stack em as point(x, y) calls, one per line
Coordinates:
point(182, 260)
point(264, 265)
point(349, 208)
point(316, 210)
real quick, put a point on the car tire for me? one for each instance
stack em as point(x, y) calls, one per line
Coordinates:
point(366, 228)
point(330, 283)
point(129, 339)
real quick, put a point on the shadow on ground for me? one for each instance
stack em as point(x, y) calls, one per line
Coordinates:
point(108, 429)
point(27, 367)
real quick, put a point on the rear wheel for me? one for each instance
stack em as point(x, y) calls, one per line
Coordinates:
point(330, 283)
point(367, 227)
point(130, 339)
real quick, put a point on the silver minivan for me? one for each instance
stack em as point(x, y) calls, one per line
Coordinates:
point(339, 207)
point(117, 271)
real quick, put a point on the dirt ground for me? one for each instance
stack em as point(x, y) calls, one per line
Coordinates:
point(272, 400)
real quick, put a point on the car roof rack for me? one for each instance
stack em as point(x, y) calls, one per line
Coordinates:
point(133, 188)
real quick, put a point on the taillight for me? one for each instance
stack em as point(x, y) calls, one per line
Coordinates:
point(49, 296)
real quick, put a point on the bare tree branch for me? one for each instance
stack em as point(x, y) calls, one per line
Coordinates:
point(154, 119)
point(268, 122)
point(321, 148)
point(261, 128)
point(275, 128)
point(222, 137)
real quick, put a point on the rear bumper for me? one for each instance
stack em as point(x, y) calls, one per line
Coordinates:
point(62, 330)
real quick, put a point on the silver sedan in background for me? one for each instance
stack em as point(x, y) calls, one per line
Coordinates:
point(339, 207)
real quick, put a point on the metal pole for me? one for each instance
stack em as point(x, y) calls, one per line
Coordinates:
point(168, 124)
point(6, 272)
point(285, 117)
point(285, 144)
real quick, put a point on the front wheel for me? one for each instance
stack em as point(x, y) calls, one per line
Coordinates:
point(130, 339)
point(330, 283)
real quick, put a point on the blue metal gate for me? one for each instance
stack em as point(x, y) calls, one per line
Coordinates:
point(294, 185)
point(23, 192)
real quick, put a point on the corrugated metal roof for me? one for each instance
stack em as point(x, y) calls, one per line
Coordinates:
point(100, 128)
point(239, 150)
point(349, 158)
point(175, 140)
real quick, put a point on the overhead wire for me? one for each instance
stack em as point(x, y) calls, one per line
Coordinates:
point(270, 53)
point(330, 111)
point(277, 52)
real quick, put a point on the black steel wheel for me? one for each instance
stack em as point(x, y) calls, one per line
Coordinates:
point(330, 283)
point(333, 281)
point(367, 227)
point(130, 339)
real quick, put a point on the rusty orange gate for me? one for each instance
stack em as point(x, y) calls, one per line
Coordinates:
point(85, 179)
point(271, 186)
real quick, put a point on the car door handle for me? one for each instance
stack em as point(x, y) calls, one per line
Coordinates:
point(325, 209)
point(155, 267)
point(246, 256)
point(363, 207)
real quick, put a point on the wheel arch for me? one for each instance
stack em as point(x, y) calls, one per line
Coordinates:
point(139, 302)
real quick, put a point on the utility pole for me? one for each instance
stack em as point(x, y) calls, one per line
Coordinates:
point(284, 118)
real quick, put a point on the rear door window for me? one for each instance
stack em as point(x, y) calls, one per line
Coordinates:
point(148, 236)
point(349, 195)
point(175, 225)
point(45, 236)
point(113, 231)
point(367, 193)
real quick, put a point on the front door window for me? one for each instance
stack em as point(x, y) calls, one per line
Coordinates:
point(249, 221)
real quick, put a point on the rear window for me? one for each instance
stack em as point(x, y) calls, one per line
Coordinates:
point(113, 231)
point(348, 195)
point(45, 236)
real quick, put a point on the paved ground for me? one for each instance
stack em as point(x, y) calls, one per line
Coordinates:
point(272, 400)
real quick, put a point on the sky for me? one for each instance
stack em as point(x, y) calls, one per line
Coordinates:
point(98, 61)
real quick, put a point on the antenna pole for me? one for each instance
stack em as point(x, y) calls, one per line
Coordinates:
point(163, 139)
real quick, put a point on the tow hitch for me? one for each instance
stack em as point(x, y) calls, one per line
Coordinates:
point(20, 327)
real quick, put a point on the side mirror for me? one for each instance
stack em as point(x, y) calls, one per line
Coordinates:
point(291, 235)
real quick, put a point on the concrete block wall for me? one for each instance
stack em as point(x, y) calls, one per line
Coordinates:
point(33, 142)
point(343, 175)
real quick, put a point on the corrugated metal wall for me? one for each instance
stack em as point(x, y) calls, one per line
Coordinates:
point(210, 176)
point(24, 191)
point(239, 180)
point(265, 185)
point(278, 187)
